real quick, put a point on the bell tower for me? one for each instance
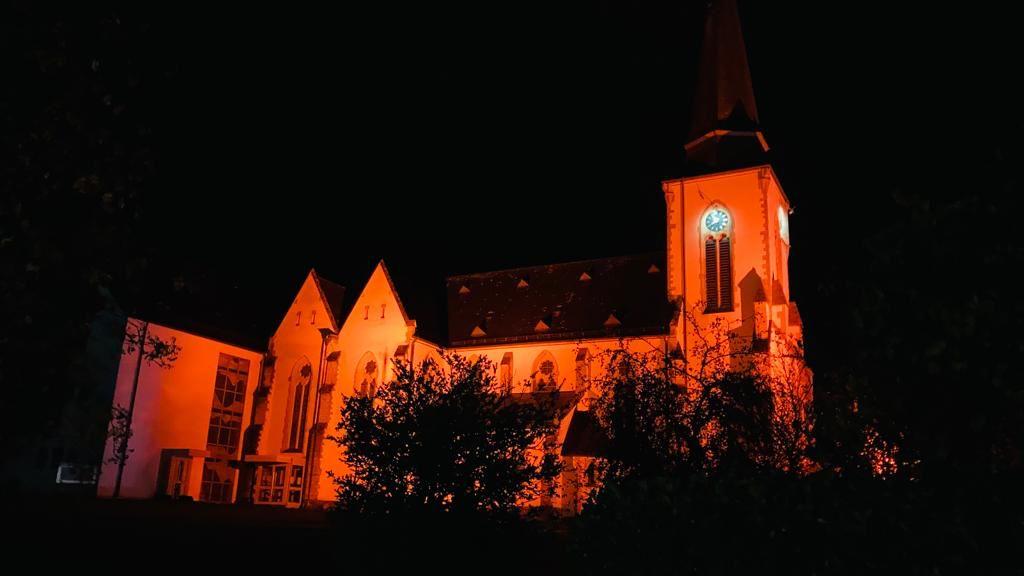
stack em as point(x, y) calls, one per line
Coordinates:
point(728, 217)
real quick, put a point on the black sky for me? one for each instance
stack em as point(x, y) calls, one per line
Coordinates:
point(457, 139)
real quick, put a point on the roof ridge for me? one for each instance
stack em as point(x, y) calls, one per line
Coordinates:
point(565, 263)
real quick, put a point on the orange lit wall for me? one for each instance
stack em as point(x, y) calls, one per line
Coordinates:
point(296, 342)
point(375, 327)
point(172, 410)
point(572, 375)
point(760, 251)
point(527, 356)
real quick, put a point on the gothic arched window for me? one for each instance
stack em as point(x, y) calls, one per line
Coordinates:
point(505, 371)
point(545, 372)
point(299, 383)
point(716, 231)
point(366, 377)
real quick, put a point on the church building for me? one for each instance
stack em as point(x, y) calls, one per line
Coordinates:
point(236, 423)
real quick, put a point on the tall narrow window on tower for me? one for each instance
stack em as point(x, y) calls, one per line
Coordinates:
point(725, 273)
point(716, 229)
point(711, 273)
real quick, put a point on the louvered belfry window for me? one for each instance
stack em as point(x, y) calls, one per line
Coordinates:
point(711, 272)
point(717, 232)
point(725, 273)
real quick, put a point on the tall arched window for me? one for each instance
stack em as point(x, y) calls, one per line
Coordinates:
point(505, 371)
point(299, 383)
point(716, 231)
point(545, 372)
point(582, 369)
point(366, 376)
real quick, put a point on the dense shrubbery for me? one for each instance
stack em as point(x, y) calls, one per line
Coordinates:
point(442, 440)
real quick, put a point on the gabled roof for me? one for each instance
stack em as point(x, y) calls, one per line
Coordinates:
point(794, 315)
point(333, 295)
point(573, 299)
point(585, 437)
point(216, 332)
point(391, 284)
point(778, 294)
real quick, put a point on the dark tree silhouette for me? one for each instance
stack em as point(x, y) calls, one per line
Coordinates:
point(77, 158)
point(443, 439)
point(719, 406)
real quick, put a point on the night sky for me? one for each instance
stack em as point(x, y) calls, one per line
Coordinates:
point(459, 139)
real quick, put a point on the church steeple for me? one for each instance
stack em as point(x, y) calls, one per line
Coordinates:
point(724, 130)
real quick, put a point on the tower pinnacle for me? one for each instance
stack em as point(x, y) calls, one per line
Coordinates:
point(724, 130)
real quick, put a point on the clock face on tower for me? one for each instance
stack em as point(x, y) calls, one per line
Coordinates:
point(783, 225)
point(717, 220)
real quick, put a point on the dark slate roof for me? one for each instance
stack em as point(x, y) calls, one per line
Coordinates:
point(243, 339)
point(420, 298)
point(794, 315)
point(391, 284)
point(423, 298)
point(334, 294)
point(623, 295)
point(778, 294)
point(585, 437)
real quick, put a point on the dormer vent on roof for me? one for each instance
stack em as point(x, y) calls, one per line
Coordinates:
point(480, 330)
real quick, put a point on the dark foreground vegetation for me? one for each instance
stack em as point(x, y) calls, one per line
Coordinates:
point(820, 526)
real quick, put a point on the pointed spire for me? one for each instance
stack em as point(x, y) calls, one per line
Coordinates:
point(724, 89)
point(724, 103)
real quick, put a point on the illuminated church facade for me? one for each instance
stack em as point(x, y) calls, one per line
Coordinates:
point(227, 423)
